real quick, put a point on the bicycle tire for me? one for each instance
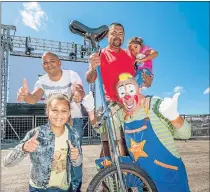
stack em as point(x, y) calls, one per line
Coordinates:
point(111, 169)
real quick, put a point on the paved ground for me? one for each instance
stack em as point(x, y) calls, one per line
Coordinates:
point(195, 155)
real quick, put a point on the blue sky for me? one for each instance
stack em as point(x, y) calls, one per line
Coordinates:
point(179, 31)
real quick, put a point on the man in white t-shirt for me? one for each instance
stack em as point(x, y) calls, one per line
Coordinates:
point(63, 85)
point(55, 80)
point(66, 82)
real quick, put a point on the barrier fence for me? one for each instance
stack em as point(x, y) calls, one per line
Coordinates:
point(14, 128)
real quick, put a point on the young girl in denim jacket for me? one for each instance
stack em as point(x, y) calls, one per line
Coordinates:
point(54, 150)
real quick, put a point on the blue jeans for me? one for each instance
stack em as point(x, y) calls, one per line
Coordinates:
point(138, 76)
point(76, 172)
point(51, 189)
point(78, 125)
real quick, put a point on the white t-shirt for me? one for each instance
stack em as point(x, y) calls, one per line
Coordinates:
point(64, 85)
point(76, 110)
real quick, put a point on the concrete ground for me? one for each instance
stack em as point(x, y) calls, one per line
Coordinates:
point(195, 155)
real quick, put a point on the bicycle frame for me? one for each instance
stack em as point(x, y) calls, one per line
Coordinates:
point(106, 115)
point(95, 35)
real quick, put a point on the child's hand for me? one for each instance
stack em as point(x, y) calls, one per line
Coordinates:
point(32, 144)
point(140, 56)
point(74, 152)
point(88, 102)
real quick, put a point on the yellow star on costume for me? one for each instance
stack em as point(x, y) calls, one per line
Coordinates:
point(137, 149)
point(106, 163)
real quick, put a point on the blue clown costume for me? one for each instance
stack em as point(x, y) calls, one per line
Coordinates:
point(147, 149)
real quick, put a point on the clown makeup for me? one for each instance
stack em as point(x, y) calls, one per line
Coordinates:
point(128, 93)
point(130, 89)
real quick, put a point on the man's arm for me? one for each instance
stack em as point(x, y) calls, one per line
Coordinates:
point(91, 75)
point(34, 97)
point(31, 98)
point(178, 122)
point(182, 129)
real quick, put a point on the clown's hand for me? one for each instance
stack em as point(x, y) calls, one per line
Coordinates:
point(88, 102)
point(168, 107)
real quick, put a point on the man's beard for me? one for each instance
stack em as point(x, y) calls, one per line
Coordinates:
point(117, 42)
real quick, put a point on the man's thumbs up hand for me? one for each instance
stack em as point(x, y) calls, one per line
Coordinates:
point(23, 91)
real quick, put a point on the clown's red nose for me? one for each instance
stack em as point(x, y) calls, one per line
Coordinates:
point(127, 97)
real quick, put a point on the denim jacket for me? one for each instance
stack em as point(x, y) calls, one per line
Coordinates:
point(42, 158)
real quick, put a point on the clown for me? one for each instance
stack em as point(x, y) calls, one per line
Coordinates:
point(150, 126)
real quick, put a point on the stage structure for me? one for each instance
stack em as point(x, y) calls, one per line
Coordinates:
point(34, 48)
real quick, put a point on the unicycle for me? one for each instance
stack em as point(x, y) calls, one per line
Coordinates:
point(122, 175)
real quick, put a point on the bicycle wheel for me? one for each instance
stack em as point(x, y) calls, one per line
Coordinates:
point(135, 179)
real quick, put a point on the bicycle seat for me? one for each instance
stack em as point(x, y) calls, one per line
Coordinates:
point(98, 33)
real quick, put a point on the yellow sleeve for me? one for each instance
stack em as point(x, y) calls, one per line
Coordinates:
point(184, 132)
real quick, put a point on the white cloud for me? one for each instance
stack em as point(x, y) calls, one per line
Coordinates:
point(207, 91)
point(33, 16)
point(178, 89)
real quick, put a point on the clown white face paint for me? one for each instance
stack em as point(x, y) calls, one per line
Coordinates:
point(128, 95)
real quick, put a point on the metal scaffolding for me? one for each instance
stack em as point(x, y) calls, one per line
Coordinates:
point(34, 47)
point(6, 44)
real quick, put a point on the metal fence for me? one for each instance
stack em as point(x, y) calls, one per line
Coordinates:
point(14, 128)
point(200, 124)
